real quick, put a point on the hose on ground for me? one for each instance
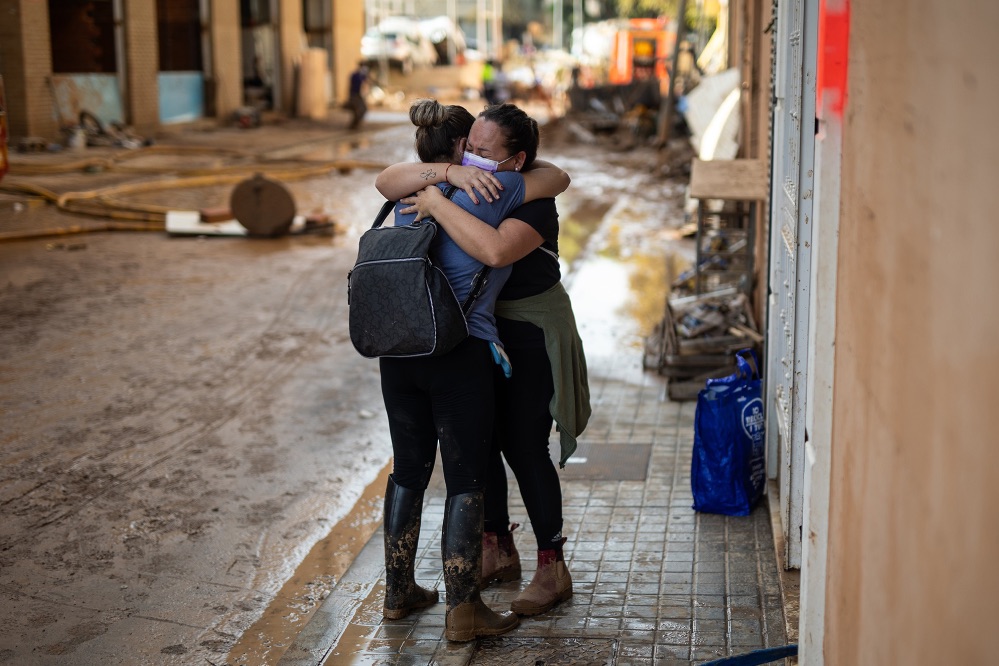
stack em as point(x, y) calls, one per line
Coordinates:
point(105, 202)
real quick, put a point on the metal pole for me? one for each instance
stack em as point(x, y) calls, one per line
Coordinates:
point(383, 64)
point(480, 27)
point(577, 23)
point(666, 115)
point(207, 60)
point(452, 15)
point(557, 24)
point(121, 63)
point(497, 16)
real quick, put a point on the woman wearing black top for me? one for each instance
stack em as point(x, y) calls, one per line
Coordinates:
point(548, 382)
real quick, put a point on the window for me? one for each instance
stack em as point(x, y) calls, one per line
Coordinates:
point(255, 12)
point(318, 24)
point(82, 36)
point(179, 29)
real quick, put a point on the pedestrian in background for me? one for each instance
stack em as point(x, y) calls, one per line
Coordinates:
point(493, 82)
point(358, 92)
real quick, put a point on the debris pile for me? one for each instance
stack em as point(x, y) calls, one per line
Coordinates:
point(91, 132)
point(698, 337)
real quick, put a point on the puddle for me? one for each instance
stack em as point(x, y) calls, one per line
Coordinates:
point(323, 151)
point(577, 224)
point(275, 631)
point(623, 250)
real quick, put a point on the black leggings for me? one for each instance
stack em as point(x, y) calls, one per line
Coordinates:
point(445, 398)
point(523, 425)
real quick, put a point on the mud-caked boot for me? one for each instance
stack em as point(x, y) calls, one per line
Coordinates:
point(467, 617)
point(500, 559)
point(551, 584)
point(403, 508)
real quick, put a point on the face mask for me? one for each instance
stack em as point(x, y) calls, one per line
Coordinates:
point(484, 163)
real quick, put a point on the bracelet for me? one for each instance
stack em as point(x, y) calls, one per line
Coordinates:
point(445, 174)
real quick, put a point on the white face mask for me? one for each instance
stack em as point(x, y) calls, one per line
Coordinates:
point(484, 163)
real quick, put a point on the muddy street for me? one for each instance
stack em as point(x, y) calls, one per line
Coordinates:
point(192, 449)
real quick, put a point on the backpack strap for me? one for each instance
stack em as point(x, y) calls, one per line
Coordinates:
point(480, 278)
point(478, 282)
point(383, 213)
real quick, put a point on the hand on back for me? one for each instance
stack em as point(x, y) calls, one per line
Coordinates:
point(472, 179)
point(422, 202)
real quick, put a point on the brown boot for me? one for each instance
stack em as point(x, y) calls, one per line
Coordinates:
point(467, 617)
point(500, 559)
point(551, 585)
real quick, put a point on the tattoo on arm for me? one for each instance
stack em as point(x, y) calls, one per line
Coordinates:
point(428, 174)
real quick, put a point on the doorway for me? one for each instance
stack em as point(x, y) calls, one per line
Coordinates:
point(259, 36)
point(181, 77)
point(85, 75)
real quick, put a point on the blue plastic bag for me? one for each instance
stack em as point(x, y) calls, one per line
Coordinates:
point(728, 473)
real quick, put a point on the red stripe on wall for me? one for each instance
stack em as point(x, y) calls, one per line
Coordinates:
point(833, 55)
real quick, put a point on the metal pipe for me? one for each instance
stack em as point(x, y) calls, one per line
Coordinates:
point(557, 24)
point(480, 28)
point(121, 61)
point(497, 17)
point(577, 23)
point(452, 15)
point(666, 115)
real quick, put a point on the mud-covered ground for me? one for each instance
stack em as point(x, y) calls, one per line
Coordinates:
point(184, 419)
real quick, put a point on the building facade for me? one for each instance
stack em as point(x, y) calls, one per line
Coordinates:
point(149, 64)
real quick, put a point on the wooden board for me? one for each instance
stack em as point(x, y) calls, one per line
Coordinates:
point(743, 180)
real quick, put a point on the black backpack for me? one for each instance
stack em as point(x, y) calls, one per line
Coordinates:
point(400, 303)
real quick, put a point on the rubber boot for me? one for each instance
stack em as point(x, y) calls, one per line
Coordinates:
point(551, 584)
point(403, 508)
point(500, 559)
point(467, 617)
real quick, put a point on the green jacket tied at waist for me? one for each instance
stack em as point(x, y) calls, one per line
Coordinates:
point(551, 311)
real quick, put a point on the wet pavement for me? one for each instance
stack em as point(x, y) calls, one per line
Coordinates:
point(184, 418)
point(143, 574)
point(654, 582)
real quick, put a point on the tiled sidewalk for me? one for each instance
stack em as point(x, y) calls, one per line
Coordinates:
point(654, 582)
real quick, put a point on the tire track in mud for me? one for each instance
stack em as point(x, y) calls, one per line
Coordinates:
point(257, 371)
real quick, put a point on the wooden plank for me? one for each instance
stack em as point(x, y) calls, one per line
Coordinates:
point(680, 373)
point(712, 345)
point(700, 360)
point(744, 180)
point(744, 331)
point(672, 343)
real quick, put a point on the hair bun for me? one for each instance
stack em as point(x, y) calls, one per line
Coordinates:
point(427, 113)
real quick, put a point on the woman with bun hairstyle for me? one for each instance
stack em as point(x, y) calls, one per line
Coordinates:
point(449, 399)
point(549, 381)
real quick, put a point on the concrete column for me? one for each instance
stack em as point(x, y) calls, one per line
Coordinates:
point(291, 36)
point(227, 71)
point(26, 65)
point(141, 95)
point(348, 27)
